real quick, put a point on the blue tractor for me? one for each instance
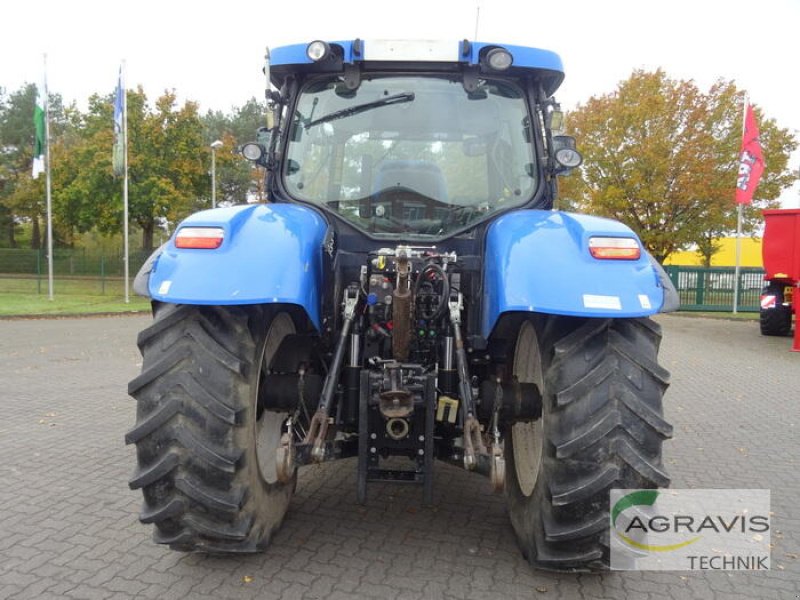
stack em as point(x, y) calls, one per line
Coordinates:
point(407, 294)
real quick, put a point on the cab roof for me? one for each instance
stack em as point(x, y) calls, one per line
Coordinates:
point(543, 65)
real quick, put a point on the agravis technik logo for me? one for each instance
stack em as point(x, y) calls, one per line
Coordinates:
point(689, 529)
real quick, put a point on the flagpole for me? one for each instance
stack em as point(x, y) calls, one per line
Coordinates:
point(739, 225)
point(46, 101)
point(738, 258)
point(125, 182)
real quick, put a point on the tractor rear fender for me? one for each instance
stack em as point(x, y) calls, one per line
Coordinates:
point(269, 254)
point(539, 261)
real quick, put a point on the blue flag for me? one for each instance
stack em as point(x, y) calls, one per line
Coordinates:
point(118, 156)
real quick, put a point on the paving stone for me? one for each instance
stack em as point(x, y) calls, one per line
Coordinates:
point(70, 528)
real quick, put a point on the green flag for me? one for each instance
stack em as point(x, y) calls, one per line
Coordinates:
point(39, 143)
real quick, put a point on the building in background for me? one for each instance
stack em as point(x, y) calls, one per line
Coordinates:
point(726, 257)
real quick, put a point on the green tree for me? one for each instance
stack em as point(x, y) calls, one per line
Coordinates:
point(662, 157)
point(167, 160)
point(236, 177)
point(238, 180)
point(242, 122)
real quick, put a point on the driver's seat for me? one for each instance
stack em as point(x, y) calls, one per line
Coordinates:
point(412, 188)
point(419, 175)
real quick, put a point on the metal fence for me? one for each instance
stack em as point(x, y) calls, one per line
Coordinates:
point(83, 272)
point(711, 289)
point(74, 271)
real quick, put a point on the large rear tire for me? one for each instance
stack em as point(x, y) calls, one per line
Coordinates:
point(601, 428)
point(205, 446)
point(776, 320)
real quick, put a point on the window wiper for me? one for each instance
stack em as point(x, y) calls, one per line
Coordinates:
point(359, 108)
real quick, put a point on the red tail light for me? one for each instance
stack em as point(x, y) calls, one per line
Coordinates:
point(614, 248)
point(206, 238)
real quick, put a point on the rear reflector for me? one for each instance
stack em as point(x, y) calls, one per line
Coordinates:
point(613, 248)
point(206, 238)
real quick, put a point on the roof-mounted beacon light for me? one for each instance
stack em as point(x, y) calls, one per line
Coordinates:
point(499, 59)
point(318, 50)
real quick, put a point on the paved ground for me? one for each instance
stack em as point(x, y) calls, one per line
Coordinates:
point(68, 526)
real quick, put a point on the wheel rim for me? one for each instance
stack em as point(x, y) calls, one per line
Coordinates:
point(527, 438)
point(269, 425)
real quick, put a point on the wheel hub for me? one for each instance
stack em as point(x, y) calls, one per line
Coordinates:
point(528, 437)
point(270, 424)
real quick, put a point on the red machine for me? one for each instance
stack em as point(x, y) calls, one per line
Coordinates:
point(781, 255)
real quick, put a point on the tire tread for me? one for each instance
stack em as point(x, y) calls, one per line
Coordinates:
point(604, 428)
point(193, 395)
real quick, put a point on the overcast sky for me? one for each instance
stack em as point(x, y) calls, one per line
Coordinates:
point(212, 52)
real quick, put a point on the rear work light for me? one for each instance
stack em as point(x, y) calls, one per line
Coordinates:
point(317, 50)
point(614, 248)
point(206, 238)
point(499, 59)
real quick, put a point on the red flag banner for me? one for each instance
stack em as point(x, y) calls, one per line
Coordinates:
point(751, 161)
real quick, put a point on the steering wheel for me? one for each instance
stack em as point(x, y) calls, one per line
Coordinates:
point(397, 199)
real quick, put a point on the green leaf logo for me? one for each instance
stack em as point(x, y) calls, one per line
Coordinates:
point(642, 498)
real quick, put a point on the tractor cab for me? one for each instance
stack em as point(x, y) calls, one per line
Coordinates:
point(419, 144)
